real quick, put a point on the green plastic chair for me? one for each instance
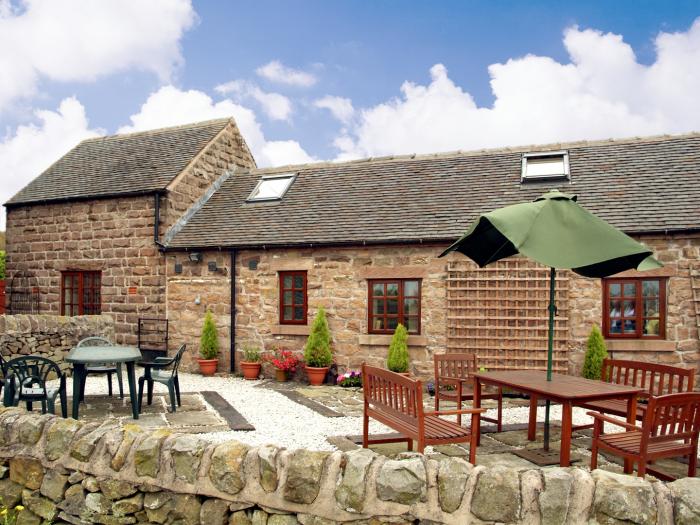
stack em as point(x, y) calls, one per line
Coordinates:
point(102, 368)
point(165, 372)
point(26, 381)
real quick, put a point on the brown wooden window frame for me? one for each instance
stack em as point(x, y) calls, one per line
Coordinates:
point(638, 317)
point(293, 304)
point(94, 284)
point(401, 297)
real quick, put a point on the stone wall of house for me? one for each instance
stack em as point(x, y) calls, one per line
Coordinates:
point(225, 151)
point(49, 336)
point(682, 344)
point(99, 473)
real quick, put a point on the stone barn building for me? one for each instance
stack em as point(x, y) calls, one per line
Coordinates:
point(176, 221)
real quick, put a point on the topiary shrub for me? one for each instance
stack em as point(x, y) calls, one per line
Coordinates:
point(397, 360)
point(595, 353)
point(209, 342)
point(317, 352)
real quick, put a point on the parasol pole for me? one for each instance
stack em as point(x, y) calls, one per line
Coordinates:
point(550, 349)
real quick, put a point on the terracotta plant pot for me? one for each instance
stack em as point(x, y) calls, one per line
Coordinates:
point(251, 371)
point(280, 375)
point(208, 366)
point(316, 375)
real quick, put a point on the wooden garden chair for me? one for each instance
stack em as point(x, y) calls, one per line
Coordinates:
point(670, 429)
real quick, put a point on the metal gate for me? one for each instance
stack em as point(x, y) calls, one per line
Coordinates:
point(500, 313)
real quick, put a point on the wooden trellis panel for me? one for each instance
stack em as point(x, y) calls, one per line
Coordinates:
point(500, 313)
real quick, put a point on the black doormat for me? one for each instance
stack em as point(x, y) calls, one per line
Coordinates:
point(542, 457)
point(233, 417)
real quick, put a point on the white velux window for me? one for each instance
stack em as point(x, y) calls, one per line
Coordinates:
point(547, 165)
point(272, 187)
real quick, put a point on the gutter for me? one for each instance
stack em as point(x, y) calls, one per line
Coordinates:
point(81, 198)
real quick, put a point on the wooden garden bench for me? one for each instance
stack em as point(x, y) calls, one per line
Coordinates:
point(397, 402)
point(655, 379)
point(670, 428)
point(456, 371)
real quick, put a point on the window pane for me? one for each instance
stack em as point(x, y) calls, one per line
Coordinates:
point(392, 289)
point(630, 326)
point(299, 297)
point(616, 327)
point(410, 288)
point(299, 281)
point(392, 323)
point(410, 306)
point(378, 289)
point(615, 309)
point(630, 289)
point(412, 324)
point(67, 281)
point(651, 327)
point(378, 323)
point(629, 309)
point(287, 298)
point(287, 313)
point(287, 281)
point(392, 306)
point(377, 306)
point(651, 308)
point(298, 313)
point(650, 288)
point(615, 290)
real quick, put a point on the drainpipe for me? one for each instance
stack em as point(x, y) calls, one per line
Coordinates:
point(233, 311)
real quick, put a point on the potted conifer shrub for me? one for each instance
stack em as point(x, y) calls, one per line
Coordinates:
point(208, 347)
point(251, 363)
point(397, 360)
point(596, 351)
point(317, 352)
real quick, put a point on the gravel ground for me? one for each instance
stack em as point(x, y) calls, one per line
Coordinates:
point(280, 421)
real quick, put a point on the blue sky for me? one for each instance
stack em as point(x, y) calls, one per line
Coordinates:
point(344, 79)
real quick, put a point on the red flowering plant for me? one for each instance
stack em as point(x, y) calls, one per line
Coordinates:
point(283, 360)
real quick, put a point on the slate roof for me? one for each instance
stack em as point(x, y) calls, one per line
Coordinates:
point(142, 162)
point(639, 185)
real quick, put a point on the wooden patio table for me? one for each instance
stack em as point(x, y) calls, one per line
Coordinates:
point(563, 389)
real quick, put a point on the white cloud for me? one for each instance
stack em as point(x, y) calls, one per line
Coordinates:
point(603, 92)
point(340, 107)
point(81, 40)
point(33, 148)
point(170, 106)
point(275, 105)
point(275, 71)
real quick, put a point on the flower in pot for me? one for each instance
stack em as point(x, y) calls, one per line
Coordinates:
point(284, 362)
point(317, 352)
point(208, 346)
point(251, 363)
point(397, 360)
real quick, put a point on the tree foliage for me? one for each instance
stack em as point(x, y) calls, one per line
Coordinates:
point(595, 353)
point(209, 342)
point(397, 360)
point(2, 264)
point(317, 352)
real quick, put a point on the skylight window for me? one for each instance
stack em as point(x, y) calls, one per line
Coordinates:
point(272, 187)
point(549, 165)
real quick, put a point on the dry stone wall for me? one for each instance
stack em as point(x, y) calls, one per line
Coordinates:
point(62, 469)
point(50, 336)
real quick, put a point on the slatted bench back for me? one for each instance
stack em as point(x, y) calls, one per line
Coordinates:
point(673, 417)
point(455, 365)
point(656, 379)
point(392, 394)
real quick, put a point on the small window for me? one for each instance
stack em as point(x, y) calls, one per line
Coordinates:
point(550, 165)
point(293, 304)
point(81, 293)
point(392, 302)
point(271, 187)
point(634, 308)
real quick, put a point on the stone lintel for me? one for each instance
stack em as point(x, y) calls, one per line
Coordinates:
point(402, 272)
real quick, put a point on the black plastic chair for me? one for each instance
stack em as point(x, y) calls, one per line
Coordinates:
point(163, 370)
point(3, 369)
point(26, 381)
point(103, 368)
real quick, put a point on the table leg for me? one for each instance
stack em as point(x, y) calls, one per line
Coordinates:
point(632, 420)
point(477, 404)
point(565, 452)
point(532, 420)
point(78, 372)
point(131, 374)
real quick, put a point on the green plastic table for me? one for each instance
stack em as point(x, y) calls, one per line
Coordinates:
point(92, 355)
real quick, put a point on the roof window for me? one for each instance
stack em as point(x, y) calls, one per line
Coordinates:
point(271, 187)
point(546, 165)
